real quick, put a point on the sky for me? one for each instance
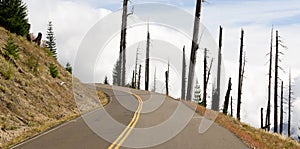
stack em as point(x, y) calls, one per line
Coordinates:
point(73, 19)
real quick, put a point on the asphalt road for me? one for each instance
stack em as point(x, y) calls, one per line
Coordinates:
point(136, 120)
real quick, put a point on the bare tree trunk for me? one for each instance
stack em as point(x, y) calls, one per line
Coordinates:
point(167, 83)
point(289, 105)
point(270, 84)
point(136, 67)
point(183, 81)
point(216, 100)
point(231, 112)
point(154, 82)
point(147, 61)
point(262, 118)
point(243, 73)
point(276, 85)
point(226, 102)
point(204, 79)
point(194, 49)
point(132, 80)
point(167, 78)
point(240, 76)
point(139, 80)
point(209, 70)
point(122, 56)
point(281, 109)
point(204, 102)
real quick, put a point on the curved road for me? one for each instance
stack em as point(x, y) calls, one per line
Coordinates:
point(136, 111)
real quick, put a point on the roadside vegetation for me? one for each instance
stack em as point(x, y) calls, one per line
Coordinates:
point(253, 137)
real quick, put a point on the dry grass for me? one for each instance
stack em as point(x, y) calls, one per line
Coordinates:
point(253, 137)
point(102, 97)
point(31, 101)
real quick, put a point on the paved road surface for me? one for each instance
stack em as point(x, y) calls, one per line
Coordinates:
point(143, 111)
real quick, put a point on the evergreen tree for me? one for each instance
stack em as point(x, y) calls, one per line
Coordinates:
point(69, 67)
point(50, 42)
point(197, 93)
point(13, 16)
point(116, 73)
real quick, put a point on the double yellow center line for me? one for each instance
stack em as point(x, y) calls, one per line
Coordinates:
point(120, 140)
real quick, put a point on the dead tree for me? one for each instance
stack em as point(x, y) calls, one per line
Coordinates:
point(167, 83)
point(240, 83)
point(268, 123)
point(277, 67)
point(262, 118)
point(289, 105)
point(194, 49)
point(139, 80)
point(122, 56)
point(136, 68)
point(203, 103)
point(132, 80)
point(206, 76)
point(183, 81)
point(167, 79)
point(154, 81)
point(276, 84)
point(226, 102)
point(231, 112)
point(216, 100)
point(209, 71)
point(281, 110)
point(147, 60)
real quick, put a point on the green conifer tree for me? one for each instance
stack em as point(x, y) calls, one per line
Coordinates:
point(69, 67)
point(50, 42)
point(13, 16)
point(197, 93)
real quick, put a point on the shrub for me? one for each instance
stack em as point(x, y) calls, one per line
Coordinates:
point(3, 89)
point(33, 64)
point(11, 49)
point(53, 70)
point(8, 72)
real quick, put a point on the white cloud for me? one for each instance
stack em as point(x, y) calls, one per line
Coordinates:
point(71, 21)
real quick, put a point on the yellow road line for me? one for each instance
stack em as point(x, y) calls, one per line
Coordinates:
point(133, 125)
point(130, 126)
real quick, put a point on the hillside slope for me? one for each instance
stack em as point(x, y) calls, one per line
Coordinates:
point(31, 100)
point(253, 137)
